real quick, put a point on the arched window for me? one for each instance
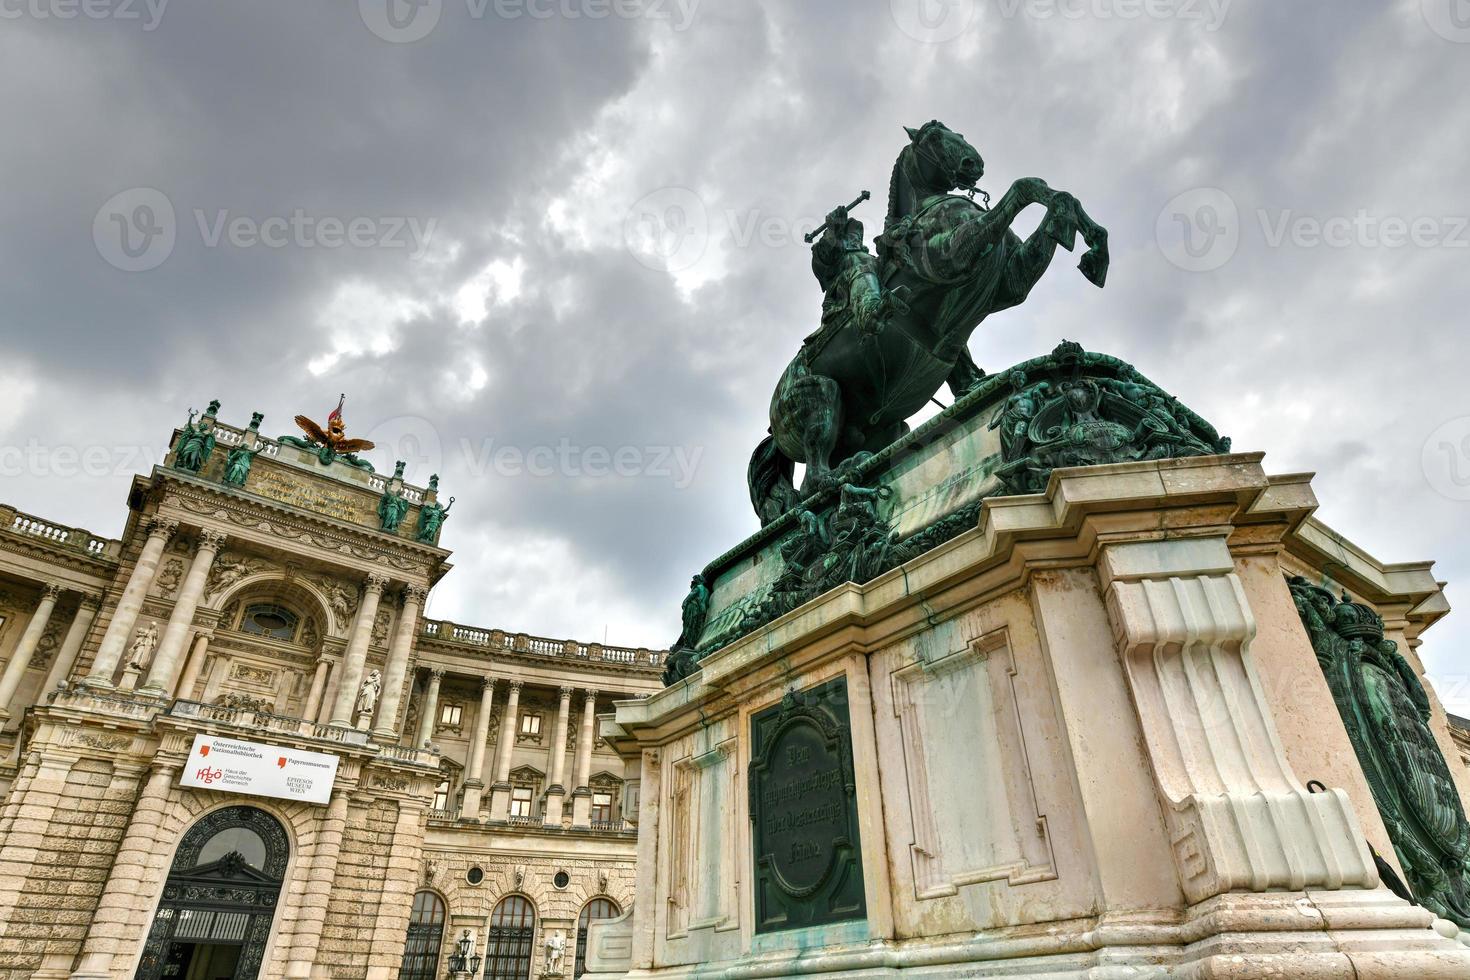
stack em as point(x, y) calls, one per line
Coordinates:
point(425, 936)
point(512, 936)
point(269, 619)
point(215, 915)
point(598, 908)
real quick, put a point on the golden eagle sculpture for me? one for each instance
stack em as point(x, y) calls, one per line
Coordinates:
point(331, 443)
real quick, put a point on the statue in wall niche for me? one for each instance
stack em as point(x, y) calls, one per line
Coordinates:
point(392, 507)
point(367, 696)
point(896, 328)
point(1386, 712)
point(237, 463)
point(556, 949)
point(431, 520)
point(144, 643)
point(330, 444)
point(195, 444)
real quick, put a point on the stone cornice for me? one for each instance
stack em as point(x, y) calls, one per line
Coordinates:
point(193, 498)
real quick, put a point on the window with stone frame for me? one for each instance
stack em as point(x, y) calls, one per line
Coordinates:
point(525, 791)
point(451, 714)
point(441, 795)
point(270, 619)
point(530, 730)
point(606, 788)
point(602, 804)
point(520, 801)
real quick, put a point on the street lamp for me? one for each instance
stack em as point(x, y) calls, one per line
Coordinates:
point(464, 961)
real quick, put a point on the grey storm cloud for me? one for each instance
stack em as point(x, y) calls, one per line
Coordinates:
point(527, 237)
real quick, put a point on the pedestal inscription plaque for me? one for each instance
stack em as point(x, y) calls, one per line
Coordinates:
point(808, 863)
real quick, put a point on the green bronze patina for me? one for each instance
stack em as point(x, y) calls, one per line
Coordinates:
point(1004, 436)
point(895, 326)
point(237, 464)
point(393, 505)
point(431, 519)
point(803, 812)
point(1386, 713)
point(196, 441)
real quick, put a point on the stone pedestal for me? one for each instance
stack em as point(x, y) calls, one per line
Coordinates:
point(1042, 748)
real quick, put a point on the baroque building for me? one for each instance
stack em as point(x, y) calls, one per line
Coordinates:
point(234, 746)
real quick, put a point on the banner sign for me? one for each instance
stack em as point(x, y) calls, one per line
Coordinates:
point(259, 770)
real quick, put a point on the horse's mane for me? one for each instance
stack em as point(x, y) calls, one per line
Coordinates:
point(900, 188)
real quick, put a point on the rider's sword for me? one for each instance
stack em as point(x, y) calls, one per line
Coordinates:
point(823, 226)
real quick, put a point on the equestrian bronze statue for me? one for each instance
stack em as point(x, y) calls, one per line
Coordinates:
point(895, 326)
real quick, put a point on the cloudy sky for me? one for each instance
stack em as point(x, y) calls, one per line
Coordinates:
point(551, 248)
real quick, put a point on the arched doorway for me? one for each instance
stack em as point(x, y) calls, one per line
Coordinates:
point(220, 898)
point(512, 936)
point(425, 937)
point(598, 908)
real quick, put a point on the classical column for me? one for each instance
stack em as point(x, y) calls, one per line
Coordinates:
point(431, 707)
point(582, 774)
point(474, 785)
point(26, 649)
point(556, 761)
point(321, 874)
point(357, 648)
point(76, 635)
point(163, 674)
point(500, 789)
point(329, 692)
point(397, 666)
point(192, 666)
point(120, 629)
point(107, 933)
point(318, 688)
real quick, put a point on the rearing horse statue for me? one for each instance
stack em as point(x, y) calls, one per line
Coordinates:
point(896, 327)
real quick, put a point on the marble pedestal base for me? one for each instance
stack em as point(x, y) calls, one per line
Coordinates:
point(1065, 762)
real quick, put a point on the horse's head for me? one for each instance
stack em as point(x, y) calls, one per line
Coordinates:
point(946, 160)
point(936, 161)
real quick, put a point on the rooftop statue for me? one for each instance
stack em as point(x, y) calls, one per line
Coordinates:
point(895, 326)
point(332, 443)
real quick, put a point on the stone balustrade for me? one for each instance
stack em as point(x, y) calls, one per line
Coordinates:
point(252, 721)
point(58, 535)
point(493, 640)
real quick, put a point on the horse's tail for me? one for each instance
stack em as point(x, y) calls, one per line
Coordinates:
point(770, 478)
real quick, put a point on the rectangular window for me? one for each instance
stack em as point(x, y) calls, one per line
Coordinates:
point(441, 796)
point(450, 714)
point(520, 801)
point(602, 807)
point(530, 724)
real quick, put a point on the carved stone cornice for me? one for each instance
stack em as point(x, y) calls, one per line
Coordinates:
point(71, 559)
point(314, 531)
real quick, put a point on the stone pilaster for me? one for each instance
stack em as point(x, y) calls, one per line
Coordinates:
point(356, 656)
point(556, 761)
point(500, 790)
point(582, 774)
point(321, 873)
point(474, 785)
point(430, 709)
point(163, 674)
point(108, 935)
point(397, 666)
point(1237, 816)
point(20, 660)
point(71, 645)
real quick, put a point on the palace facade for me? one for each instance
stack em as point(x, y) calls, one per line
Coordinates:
point(384, 790)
